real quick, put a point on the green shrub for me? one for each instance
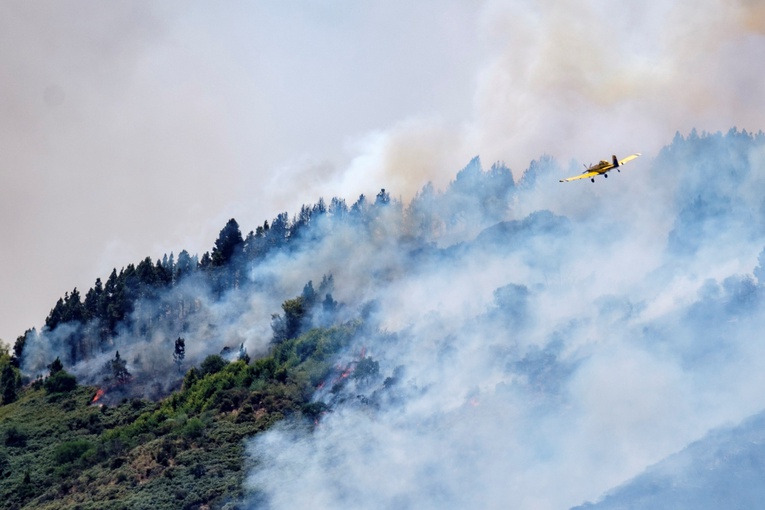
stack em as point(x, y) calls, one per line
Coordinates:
point(314, 410)
point(193, 429)
point(264, 368)
point(14, 437)
point(71, 451)
point(212, 364)
point(60, 382)
point(188, 448)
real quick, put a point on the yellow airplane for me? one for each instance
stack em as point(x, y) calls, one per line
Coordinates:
point(601, 168)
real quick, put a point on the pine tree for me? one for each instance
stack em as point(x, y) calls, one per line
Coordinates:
point(243, 356)
point(309, 295)
point(359, 207)
point(18, 347)
point(180, 352)
point(338, 208)
point(74, 309)
point(146, 275)
point(185, 265)
point(279, 231)
point(228, 244)
point(205, 262)
point(383, 198)
point(9, 382)
point(119, 369)
point(55, 316)
point(93, 300)
point(56, 366)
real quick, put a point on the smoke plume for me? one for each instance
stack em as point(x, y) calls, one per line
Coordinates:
point(551, 356)
point(537, 343)
point(201, 113)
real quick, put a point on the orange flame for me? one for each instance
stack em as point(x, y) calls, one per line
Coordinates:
point(99, 394)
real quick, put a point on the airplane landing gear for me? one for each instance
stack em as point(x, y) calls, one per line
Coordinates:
point(605, 175)
point(593, 179)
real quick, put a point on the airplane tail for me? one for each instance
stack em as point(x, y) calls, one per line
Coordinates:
point(616, 161)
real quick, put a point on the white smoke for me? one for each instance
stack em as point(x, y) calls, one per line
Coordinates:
point(122, 115)
point(201, 113)
point(547, 359)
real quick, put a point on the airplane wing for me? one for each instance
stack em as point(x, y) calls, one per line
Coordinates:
point(629, 158)
point(602, 168)
point(585, 175)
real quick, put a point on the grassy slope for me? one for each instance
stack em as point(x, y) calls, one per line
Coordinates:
point(59, 451)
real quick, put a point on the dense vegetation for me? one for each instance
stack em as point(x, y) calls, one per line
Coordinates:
point(59, 449)
point(62, 447)
point(135, 301)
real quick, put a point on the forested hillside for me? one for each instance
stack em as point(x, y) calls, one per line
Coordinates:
point(62, 448)
point(207, 301)
point(474, 347)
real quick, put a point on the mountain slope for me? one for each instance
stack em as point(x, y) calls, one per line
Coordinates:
point(65, 450)
point(490, 345)
point(722, 470)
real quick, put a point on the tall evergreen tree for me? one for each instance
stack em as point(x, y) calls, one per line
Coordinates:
point(146, 276)
point(279, 232)
point(18, 347)
point(56, 315)
point(359, 207)
point(243, 356)
point(308, 295)
point(319, 208)
point(119, 369)
point(9, 383)
point(228, 244)
point(383, 198)
point(75, 311)
point(93, 300)
point(179, 353)
point(163, 273)
point(205, 262)
point(288, 325)
point(56, 366)
point(185, 265)
point(338, 208)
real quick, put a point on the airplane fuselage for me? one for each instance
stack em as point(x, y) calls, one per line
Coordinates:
point(601, 168)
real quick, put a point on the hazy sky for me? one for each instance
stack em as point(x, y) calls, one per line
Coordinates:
point(136, 128)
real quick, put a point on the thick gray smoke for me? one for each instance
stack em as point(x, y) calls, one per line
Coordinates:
point(200, 112)
point(535, 343)
point(538, 362)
